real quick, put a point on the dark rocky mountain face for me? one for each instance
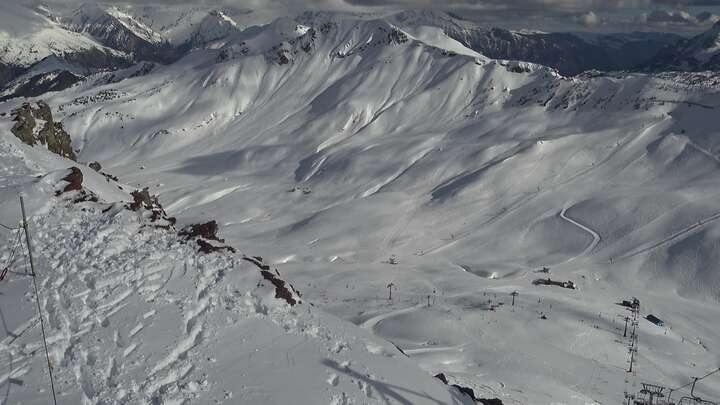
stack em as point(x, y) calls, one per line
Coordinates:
point(42, 83)
point(30, 82)
point(113, 34)
point(569, 53)
point(698, 53)
point(97, 59)
point(9, 72)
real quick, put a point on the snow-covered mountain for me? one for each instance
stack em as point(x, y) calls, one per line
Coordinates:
point(215, 26)
point(95, 37)
point(92, 38)
point(699, 53)
point(569, 53)
point(120, 31)
point(364, 159)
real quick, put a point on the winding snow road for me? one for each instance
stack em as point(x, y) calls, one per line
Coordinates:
point(595, 235)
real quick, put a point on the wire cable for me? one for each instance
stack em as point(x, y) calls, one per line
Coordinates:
point(9, 228)
point(5, 270)
point(699, 379)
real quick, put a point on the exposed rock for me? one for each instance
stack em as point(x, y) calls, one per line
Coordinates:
point(95, 166)
point(396, 37)
point(493, 401)
point(207, 248)
point(34, 124)
point(143, 200)
point(204, 233)
point(74, 181)
point(42, 83)
point(442, 378)
point(257, 262)
point(109, 177)
point(469, 392)
point(207, 230)
point(281, 291)
point(548, 281)
point(282, 57)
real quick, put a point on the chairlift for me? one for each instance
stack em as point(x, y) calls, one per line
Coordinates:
point(692, 399)
point(651, 394)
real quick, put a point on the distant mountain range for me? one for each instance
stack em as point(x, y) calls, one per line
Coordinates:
point(47, 49)
point(698, 53)
point(569, 53)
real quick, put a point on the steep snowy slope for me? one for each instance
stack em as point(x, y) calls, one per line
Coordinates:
point(135, 314)
point(699, 53)
point(29, 35)
point(569, 53)
point(179, 23)
point(118, 30)
point(329, 145)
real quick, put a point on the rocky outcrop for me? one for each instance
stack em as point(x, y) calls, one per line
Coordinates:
point(149, 206)
point(95, 166)
point(469, 392)
point(203, 234)
point(34, 124)
point(207, 230)
point(207, 248)
point(281, 290)
point(74, 181)
point(71, 185)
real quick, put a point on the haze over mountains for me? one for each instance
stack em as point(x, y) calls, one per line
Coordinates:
point(380, 186)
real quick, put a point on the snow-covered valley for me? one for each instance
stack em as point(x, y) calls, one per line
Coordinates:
point(361, 161)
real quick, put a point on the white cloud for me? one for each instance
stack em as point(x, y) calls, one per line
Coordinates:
point(589, 19)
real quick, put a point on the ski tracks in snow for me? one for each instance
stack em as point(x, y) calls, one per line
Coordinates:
point(371, 323)
point(652, 245)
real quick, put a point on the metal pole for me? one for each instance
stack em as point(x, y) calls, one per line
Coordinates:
point(692, 391)
point(37, 295)
point(627, 318)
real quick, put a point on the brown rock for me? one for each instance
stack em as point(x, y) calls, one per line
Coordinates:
point(74, 180)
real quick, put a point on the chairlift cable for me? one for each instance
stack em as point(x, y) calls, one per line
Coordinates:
point(9, 228)
point(701, 378)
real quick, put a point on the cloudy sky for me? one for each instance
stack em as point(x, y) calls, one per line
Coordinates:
point(679, 16)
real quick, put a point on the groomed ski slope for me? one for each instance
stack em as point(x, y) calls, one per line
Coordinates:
point(328, 151)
